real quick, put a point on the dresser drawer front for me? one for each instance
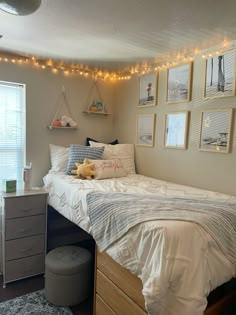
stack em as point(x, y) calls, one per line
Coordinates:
point(23, 227)
point(24, 267)
point(102, 308)
point(116, 299)
point(23, 247)
point(25, 206)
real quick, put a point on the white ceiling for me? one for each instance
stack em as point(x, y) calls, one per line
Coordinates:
point(112, 34)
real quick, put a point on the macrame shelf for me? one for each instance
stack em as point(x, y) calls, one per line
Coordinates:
point(62, 100)
point(95, 105)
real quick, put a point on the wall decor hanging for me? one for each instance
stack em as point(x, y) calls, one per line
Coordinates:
point(176, 130)
point(179, 83)
point(147, 90)
point(220, 75)
point(215, 132)
point(145, 129)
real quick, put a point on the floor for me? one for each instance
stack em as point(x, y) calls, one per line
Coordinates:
point(21, 287)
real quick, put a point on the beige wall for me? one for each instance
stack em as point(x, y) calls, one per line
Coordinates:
point(42, 91)
point(208, 170)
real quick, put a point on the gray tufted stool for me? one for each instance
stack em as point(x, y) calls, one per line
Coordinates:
point(68, 271)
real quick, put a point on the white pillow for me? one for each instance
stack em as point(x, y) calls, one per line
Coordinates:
point(123, 152)
point(59, 157)
point(108, 169)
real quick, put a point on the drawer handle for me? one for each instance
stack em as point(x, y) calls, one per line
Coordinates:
point(26, 250)
point(25, 230)
point(26, 210)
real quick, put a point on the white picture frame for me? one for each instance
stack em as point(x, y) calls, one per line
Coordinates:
point(145, 130)
point(176, 130)
point(147, 90)
point(179, 83)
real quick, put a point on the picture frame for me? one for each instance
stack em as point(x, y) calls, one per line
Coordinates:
point(145, 129)
point(179, 83)
point(176, 130)
point(147, 90)
point(215, 130)
point(220, 75)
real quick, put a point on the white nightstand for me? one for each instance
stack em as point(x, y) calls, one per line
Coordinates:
point(24, 228)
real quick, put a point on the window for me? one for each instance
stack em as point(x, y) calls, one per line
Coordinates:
point(12, 130)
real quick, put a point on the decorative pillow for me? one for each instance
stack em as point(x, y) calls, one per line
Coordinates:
point(123, 152)
point(90, 139)
point(79, 152)
point(59, 157)
point(108, 169)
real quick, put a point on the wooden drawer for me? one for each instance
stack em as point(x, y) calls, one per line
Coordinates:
point(102, 308)
point(24, 267)
point(23, 227)
point(116, 299)
point(23, 247)
point(22, 206)
point(132, 286)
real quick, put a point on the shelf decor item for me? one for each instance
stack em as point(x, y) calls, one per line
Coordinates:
point(176, 130)
point(220, 75)
point(147, 90)
point(145, 130)
point(215, 132)
point(179, 81)
point(59, 120)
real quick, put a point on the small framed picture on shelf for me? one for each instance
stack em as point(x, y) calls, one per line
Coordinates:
point(145, 130)
point(147, 89)
point(215, 132)
point(176, 130)
point(179, 83)
point(220, 75)
point(100, 106)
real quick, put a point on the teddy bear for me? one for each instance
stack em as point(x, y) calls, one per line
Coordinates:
point(67, 122)
point(85, 170)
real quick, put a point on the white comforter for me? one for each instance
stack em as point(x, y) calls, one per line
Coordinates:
point(178, 262)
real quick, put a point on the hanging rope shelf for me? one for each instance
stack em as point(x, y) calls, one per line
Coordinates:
point(60, 121)
point(93, 105)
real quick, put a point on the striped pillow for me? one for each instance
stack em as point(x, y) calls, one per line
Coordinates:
point(79, 152)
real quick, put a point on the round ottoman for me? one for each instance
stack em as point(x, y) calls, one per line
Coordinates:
point(68, 273)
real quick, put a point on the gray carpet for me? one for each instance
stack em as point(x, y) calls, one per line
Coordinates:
point(33, 303)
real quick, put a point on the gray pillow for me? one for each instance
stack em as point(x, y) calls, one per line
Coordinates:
point(78, 153)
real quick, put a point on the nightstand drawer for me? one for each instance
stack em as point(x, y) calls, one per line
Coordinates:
point(25, 206)
point(24, 267)
point(23, 247)
point(23, 227)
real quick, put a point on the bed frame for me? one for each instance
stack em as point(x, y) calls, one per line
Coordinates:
point(116, 290)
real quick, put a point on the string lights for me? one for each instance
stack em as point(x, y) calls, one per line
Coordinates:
point(82, 70)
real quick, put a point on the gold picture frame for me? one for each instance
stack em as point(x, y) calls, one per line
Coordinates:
point(148, 90)
point(145, 129)
point(179, 83)
point(176, 130)
point(215, 130)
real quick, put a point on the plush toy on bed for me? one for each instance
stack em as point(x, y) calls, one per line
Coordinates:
point(85, 170)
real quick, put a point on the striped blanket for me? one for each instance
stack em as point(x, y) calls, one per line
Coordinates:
point(113, 214)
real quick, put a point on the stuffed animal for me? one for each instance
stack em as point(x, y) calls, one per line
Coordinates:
point(85, 170)
point(67, 122)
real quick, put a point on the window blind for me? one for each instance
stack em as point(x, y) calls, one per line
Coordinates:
point(12, 131)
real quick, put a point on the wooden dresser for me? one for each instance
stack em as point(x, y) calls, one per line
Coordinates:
point(23, 233)
point(118, 292)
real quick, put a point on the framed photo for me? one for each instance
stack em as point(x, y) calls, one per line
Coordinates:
point(145, 129)
point(220, 75)
point(179, 82)
point(176, 130)
point(147, 89)
point(215, 132)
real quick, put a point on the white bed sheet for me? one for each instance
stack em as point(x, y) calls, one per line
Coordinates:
point(178, 262)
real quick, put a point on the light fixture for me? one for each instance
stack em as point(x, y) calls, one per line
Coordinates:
point(22, 7)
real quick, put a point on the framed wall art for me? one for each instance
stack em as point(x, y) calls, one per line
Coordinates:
point(220, 75)
point(179, 83)
point(215, 132)
point(176, 130)
point(147, 89)
point(145, 130)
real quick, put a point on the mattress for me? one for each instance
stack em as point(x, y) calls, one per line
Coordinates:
point(178, 263)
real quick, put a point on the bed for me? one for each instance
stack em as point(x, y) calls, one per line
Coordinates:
point(156, 267)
